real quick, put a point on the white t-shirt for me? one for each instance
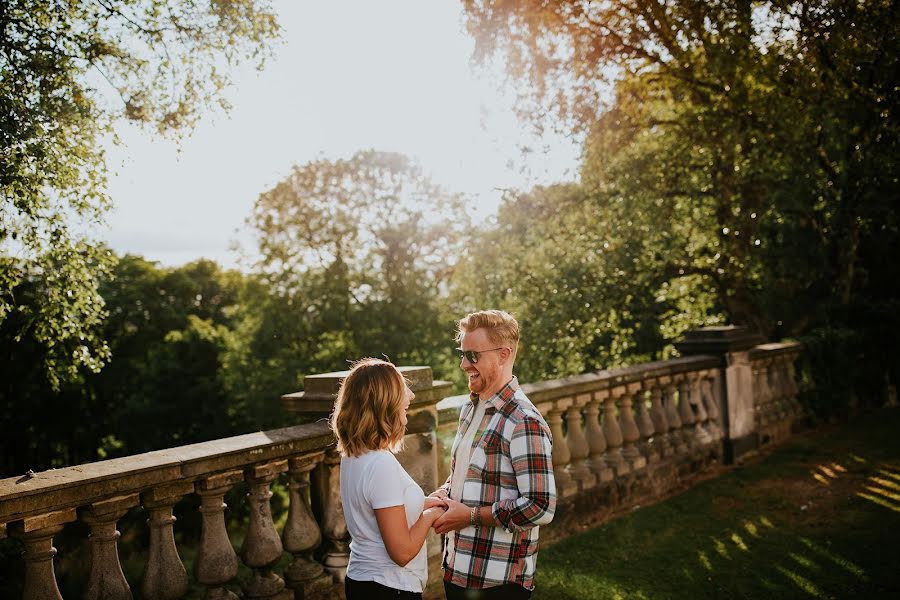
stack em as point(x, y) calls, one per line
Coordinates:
point(376, 480)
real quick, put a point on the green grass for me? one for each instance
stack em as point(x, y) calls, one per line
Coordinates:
point(818, 518)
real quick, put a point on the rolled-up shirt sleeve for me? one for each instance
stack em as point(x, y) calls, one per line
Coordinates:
point(530, 452)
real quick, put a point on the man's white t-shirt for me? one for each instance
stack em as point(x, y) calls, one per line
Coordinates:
point(368, 482)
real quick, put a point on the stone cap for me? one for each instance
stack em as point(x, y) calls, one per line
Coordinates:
point(320, 390)
point(718, 340)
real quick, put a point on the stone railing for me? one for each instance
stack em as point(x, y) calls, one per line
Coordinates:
point(622, 437)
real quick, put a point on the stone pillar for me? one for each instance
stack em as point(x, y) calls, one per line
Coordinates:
point(565, 485)
point(36, 535)
point(686, 414)
point(337, 554)
point(711, 404)
point(262, 547)
point(578, 445)
point(630, 433)
point(731, 344)
point(613, 433)
point(216, 563)
point(676, 440)
point(106, 581)
point(164, 575)
point(596, 439)
point(700, 416)
point(660, 425)
point(301, 535)
point(648, 443)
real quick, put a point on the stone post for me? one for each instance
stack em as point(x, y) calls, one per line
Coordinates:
point(676, 440)
point(578, 445)
point(732, 345)
point(596, 439)
point(686, 414)
point(630, 433)
point(613, 433)
point(106, 581)
point(301, 535)
point(216, 563)
point(36, 535)
point(165, 577)
point(648, 443)
point(262, 546)
point(565, 485)
point(337, 555)
point(660, 425)
point(701, 418)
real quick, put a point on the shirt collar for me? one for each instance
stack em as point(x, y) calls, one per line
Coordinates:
point(502, 396)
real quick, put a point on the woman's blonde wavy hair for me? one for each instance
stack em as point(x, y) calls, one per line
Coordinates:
point(367, 411)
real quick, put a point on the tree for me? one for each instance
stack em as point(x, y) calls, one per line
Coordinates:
point(766, 123)
point(356, 258)
point(69, 71)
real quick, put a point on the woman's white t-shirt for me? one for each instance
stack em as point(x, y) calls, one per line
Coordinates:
point(368, 482)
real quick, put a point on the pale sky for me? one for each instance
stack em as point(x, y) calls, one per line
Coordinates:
point(351, 75)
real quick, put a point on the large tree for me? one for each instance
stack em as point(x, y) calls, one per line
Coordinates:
point(68, 71)
point(356, 256)
point(767, 129)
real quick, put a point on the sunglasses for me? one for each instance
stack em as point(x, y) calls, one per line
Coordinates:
point(473, 355)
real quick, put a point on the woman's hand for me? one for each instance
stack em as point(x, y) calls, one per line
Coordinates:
point(431, 514)
point(431, 501)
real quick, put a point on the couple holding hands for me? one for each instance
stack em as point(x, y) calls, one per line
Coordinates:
point(500, 489)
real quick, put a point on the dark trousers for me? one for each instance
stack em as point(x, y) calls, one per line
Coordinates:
point(364, 590)
point(510, 591)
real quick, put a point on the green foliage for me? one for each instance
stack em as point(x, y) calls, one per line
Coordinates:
point(748, 149)
point(356, 257)
point(61, 65)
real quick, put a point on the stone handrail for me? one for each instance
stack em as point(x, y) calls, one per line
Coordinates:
point(100, 493)
point(621, 437)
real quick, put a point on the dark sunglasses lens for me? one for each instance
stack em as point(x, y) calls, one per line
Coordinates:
point(469, 355)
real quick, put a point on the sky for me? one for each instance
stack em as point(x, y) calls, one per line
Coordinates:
point(347, 76)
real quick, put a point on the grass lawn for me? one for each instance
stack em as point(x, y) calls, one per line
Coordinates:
point(817, 518)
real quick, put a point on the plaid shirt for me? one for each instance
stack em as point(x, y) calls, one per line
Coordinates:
point(511, 470)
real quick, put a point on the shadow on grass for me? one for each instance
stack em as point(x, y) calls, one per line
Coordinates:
point(818, 518)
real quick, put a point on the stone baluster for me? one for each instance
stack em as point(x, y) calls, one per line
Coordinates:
point(164, 575)
point(613, 434)
point(596, 439)
point(685, 413)
point(262, 547)
point(696, 400)
point(301, 535)
point(676, 440)
point(578, 445)
point(793, 388)
point(775, 405)
point(662, 441)
point(106, 580)
point(649, 443)
point(334, 527)
point(712, 407)
point(216, 563)
point(630, 432)
point(36, 535)
point(565, 484)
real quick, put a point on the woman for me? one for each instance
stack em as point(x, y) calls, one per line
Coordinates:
point(386, 512)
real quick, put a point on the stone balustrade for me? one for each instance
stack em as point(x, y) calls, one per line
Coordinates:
point(622, 437)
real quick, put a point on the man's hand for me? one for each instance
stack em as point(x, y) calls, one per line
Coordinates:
point(457, 517)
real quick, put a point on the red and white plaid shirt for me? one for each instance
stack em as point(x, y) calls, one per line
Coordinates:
point(511, 470)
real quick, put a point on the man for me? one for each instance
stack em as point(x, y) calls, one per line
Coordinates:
point(501, 485)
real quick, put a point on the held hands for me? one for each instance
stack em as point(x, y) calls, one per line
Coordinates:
point(434, 508)
point(456, 517)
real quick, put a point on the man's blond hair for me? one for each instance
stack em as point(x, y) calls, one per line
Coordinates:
point(501, 327)
point(368, 409)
